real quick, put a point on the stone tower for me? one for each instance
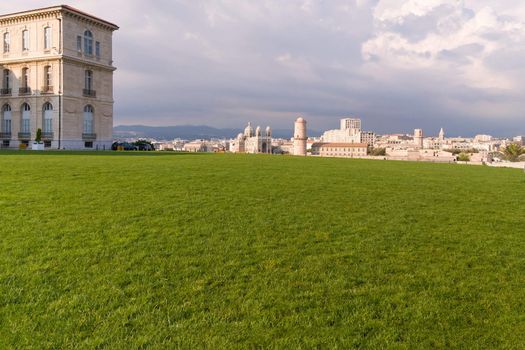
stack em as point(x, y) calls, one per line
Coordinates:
point(299, 142)
point(418, 138)
point(441, 135)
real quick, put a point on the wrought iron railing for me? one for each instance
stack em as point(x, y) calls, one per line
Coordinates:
point(48, 135)
point(47, 89)
point(5, 92)
point(89, 136)
point(24, 91)
point(89, 93)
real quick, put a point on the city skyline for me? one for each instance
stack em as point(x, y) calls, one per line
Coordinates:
point(398, 65)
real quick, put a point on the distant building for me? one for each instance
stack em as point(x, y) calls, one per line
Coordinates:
point(300, 137)
point(350, 132)
point(441, 135)
point(369, 138)
point(520, 140)
point(57, 76)
point(418, 138)
point(197, 147)
point(482, 138)
point(343, 150)
point(252, 141)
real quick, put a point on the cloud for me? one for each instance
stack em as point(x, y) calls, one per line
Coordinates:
point(396, 64)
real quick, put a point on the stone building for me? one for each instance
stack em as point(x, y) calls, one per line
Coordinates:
point(342, 150)
point(57, 76)
point(300, 137)
point(252, 141)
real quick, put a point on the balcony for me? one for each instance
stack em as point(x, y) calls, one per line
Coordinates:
point(47, 136)
point(24, 91)
point(47, 90)
point(5, 92)
point(89, 93)
point(5, 136)
point(89, 137)
point(24, 136)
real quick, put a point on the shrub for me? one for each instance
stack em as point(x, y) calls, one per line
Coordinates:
point(464, 157)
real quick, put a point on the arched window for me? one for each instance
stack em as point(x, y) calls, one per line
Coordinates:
point(25, 40)
point(88, 80)
point(7, 42)
point(88, 119)
point(47, 38)
point(48, 118)
point(6, 119)
point(26, 118)
point(88, 43)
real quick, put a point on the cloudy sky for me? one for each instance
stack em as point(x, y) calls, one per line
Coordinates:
point(397, 64)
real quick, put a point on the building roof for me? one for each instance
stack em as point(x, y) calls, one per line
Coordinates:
point(65, 8)
point(339, 144)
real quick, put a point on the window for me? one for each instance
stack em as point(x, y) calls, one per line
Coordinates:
point(6, 119)
point(7, 42)
point(88, 80)
point(25, 40)
point(48, 118)
point(88, 43)
point(47, 38)
point(7, 79)
point(88, 119)
point(6, 143)
point(25, 77)
point(88, 144)
point(26, 118)
point(48, 79)
point(47, 144)
point(79, 43)
point(97, 49)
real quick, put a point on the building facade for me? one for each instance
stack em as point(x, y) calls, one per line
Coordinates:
point(350, 132)
point(57, 76)
point(342, 150)
point(300, 137)
point(252, 141)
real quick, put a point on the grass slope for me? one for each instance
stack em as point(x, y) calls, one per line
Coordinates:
point(220, 251)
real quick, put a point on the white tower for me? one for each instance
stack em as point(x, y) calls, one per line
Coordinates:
point(299, 141)
point(441, 135)
point(418, 138)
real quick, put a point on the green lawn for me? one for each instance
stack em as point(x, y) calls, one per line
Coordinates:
point(138, 251)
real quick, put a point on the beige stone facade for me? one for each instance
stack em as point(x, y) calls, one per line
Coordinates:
point(57, 75)
point(343, 150)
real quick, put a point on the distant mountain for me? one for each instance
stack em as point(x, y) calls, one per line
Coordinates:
point(188, 132)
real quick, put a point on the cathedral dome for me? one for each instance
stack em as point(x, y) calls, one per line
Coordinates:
point(258, 131)
point(248, 132)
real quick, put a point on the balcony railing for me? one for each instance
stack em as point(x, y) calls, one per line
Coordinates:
point(24, 136)
point(48, 135)
point(5, 135)
point(24, 91)
point(89, 93)
point(5, 92)
point(86, 136)
point(47, 90)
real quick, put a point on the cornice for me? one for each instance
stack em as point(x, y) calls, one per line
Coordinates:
point(56, 12)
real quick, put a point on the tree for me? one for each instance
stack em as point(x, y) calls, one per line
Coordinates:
point(38, 137)
point(378, 152)
point(464, 157)
point(513, 152)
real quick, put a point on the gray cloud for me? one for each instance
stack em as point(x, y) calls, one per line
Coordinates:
point(396, 65)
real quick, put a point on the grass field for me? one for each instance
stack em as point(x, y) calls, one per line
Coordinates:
point(137, 251)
